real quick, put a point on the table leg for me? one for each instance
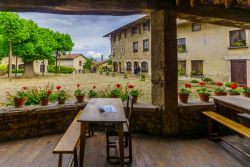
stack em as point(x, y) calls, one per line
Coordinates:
point(82, 142)
point(121, 146)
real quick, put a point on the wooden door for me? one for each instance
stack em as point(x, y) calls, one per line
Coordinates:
point(239, 71)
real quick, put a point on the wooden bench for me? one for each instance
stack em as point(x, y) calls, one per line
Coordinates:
point(69, 143)
point(238, 128)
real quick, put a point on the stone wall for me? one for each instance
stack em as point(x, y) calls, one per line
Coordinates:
point(36, 120)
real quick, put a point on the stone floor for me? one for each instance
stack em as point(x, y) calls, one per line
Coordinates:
point(148, 151)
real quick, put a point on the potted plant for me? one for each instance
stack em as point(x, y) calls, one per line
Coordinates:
point(135, 93)
point(92, 93)
point(233, 89)
point(220, 90)
point(203, 92)
point(184, 92)
point(19, 98)
point(246, 91)
point(117, 91)
point(143, 77)
point(125, 76)
point(61, 95)
point(79, 94)
point(44, 96)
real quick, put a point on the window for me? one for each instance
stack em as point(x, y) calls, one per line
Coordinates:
point(145, 45)
point(80, 63)
point(135, 46)
point(129, 66)
point(197, 67)
point(135, 30)
point(196, 27)
point(181, 67)
point(181, 45)
point(146, 26)
point(237, 38)
point(144, 66)
point(119, 36)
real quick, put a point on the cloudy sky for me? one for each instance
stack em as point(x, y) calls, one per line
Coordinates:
point(86, 31)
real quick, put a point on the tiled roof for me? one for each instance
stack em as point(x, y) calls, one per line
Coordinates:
point(71, 56)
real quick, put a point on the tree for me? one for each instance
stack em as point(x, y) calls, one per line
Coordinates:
point(13, 30)
point(88, 64)
point(63, 43)
point(39, 46)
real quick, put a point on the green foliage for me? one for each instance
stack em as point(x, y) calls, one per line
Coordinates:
point(227, 84)
point(203, 90)
point(17, 70)
point(32, 97)
point(63, 69)
point(92, 93)
point(135, 92)
point(3, 68)
point(109, 62)
point(79, 92)
point(184, 91)
point(88, 64)
point(143, 77)
point(207, 79)
point(194, 81)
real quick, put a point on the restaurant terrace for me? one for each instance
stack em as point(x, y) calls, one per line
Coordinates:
point(109, 132)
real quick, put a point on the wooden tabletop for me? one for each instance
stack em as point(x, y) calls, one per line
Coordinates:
point(92, 112)
point(239, 103)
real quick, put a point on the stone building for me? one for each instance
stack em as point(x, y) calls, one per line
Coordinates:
point(73, 60)
point(204, 50)
point(40, 66)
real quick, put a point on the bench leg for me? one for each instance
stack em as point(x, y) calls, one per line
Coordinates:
point(75, 158)
point(210, 127)
point(60, 160)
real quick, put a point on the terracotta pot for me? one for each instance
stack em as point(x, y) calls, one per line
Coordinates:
point(246, 94)
point(204, 98)
point(44, 102)
point(233, 94)
point(220, 93)
point(61, 101)
point(80, 99)
point(183, 98)
point(19, 102)
point(114, 96)
point(135, 99)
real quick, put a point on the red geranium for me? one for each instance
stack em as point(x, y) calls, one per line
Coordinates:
point(58, 87)
point(188, 85)
point(49, 92)
point(130, 86)
point(219, 83)
point(234, 85)
point(118, 85)
point(94, 87)
point(202, 83)
point(25, 88)
point(78, 85)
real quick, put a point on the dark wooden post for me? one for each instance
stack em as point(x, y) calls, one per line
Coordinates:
point(164, 67)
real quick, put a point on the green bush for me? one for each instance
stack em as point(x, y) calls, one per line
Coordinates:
point(3, 69)
point(63, 69)
point(17, 70)
point(194, 81)
point(207, 79)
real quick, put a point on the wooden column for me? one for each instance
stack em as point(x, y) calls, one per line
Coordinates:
point(164, 67)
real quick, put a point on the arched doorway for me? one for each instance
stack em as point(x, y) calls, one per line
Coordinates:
point(144, 66)
point(128, 66)
point(120, 67)
point(115, 66)
point(136, 65)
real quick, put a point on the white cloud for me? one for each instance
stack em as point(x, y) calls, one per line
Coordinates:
point(93, 54)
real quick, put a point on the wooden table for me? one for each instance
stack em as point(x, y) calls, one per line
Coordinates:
point(238, 103)
point(92, 114)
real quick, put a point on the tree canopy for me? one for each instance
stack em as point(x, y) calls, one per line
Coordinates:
point(29, 41)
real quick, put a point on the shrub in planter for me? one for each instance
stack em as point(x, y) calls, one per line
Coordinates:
point(125, 76)
point(207, 79)
point(92, 93)
point(220, 90)
point(61, 95)
point(246, 91)
point(63, 69)
point(116, 92)
point(32, 96)
point(79, 94)
point(203, 92)
point(19, 98)
point(233, 89)
point(184, 92)
point(136, 93)
point(44, 96)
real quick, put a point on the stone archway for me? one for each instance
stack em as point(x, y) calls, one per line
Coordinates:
point(136, 65)
point(144, 66)
point(115, 66)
